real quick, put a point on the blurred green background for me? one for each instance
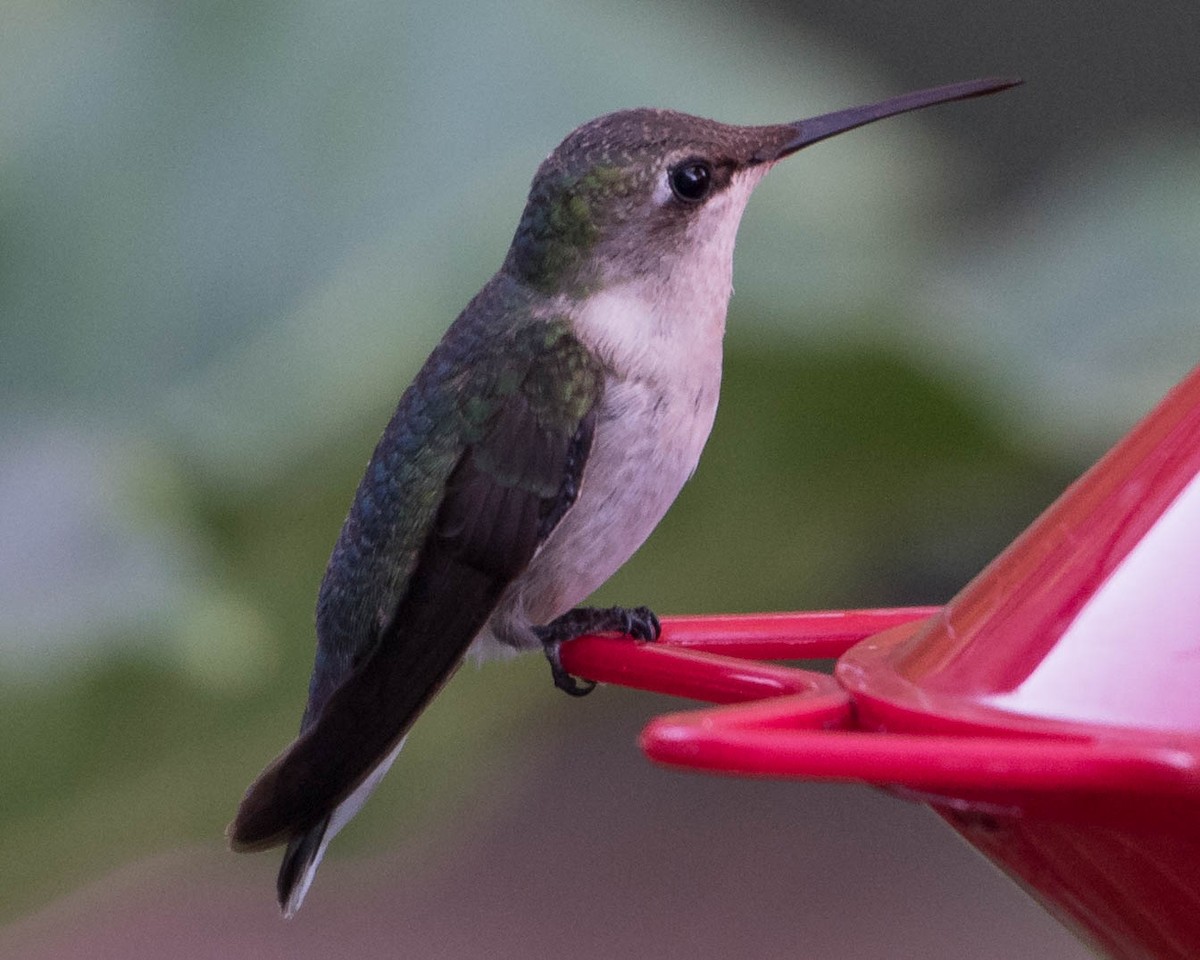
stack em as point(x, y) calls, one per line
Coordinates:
point(230, 233)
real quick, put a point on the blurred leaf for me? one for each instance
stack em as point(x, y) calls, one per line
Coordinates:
point(1072, 311)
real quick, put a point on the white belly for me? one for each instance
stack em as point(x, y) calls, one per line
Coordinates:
point(645, 447)
point(661, 340)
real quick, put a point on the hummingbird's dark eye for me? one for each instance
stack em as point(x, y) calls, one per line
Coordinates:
point(691, 181)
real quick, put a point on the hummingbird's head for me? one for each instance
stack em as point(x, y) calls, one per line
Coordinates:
point(628, 192)
point(641, 193)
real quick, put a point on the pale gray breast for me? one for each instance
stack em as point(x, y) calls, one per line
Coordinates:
point(647, 444)
point(663, 349)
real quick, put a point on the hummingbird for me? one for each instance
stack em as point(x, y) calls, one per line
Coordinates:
point(539, 445)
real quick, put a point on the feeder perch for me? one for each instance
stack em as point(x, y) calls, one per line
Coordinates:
point(1050, 712)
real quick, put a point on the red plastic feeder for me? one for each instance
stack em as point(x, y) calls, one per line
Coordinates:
point(1050, 712)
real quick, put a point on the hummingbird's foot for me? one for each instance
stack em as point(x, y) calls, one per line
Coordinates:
point(563, 680)
point(638, 622)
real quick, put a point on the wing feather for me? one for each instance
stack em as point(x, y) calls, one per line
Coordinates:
point(523, 470)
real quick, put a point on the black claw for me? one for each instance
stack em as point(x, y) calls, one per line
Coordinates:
point(642, 624)
point(563, 680)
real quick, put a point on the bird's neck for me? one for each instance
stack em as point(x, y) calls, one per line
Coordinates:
point(660, 332)
point(663, 319)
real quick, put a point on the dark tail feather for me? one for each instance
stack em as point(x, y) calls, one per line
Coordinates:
point(367, 716)
point(300, 862)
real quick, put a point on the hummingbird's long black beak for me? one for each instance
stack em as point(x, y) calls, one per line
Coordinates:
point(826, 125)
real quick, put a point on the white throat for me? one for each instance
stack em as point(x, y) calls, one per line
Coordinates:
point(664, 327)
